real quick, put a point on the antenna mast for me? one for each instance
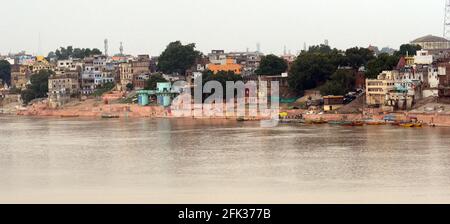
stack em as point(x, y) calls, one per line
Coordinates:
point(106, 47)
point(447, 19)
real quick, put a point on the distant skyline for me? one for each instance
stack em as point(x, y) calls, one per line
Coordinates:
point(146, 27)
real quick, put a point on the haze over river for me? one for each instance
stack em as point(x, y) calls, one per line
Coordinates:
point(76, 160)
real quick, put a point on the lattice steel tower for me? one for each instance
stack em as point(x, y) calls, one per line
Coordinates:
point(447, 20)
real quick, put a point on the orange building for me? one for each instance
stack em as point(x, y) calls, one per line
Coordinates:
point(229, 65)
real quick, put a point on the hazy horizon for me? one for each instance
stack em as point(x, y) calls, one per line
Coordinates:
point(146, 27)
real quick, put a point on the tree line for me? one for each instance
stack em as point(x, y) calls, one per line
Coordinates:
point(64, 53)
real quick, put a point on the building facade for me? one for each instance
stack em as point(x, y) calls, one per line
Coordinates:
point(20, 76)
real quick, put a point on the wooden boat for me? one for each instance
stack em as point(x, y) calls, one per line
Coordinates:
point(109, 116)
point(335, 122)
point(418, 125)
point(320, 121)
point(357, 123)
point(243, 119)
point(375, 122)
point(292, 121)
point(68, 116)
point(407, 125)
point(344, 123)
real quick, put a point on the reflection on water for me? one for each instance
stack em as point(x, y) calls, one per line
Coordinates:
point(46, 160)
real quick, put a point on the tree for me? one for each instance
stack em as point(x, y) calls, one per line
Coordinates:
point(5, 72)
point(381, 63)
point(38, 87)
point(323, 49)
point(152, 82)
point(340, 83)
point(177, 58)
point(104, 88)
point(130, 86)
point(357, 57)
point(408, 49)
point(222, 77)
point(272, 65)
point(94, 51)
point(311, 69)
point(69, 52)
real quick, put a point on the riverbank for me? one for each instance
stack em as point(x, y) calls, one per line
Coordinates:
point(442, 120)
point(95, 108)
point(92, 108)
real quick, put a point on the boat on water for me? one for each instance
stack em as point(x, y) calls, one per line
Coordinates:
point(109, 116)
point(412, 123)
point(319, 121)
point(340, 123)
point(375, 122)
point(418, 125)
point(292, 121)
point(243, 119)
point(356, 123)
point(69, 116)
point(407, 125)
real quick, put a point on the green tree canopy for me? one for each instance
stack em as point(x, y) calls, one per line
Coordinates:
point(5, 72)
point(152, 82)
point(356, 57)
point(222, 77)
point(38, 87)
point(130, 86)
point(340, 83)
point(381, 63)
point(408, 49)
point(104, 88)
point(69, 52)
point(323, 49)
point(177, 58)
point(272, 65)
point(312, 69)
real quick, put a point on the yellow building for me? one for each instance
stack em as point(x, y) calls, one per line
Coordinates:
point(229, 66)
point(41, 64)
point(126, 75)
point(378, 89)
point(20, 75)
point(410, 60)
point(331, 103)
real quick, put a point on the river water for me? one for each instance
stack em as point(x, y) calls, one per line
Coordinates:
point(52, 160)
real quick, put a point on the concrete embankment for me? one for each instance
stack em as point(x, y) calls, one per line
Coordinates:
point(121, 110)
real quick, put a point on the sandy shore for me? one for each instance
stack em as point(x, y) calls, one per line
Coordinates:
point(95, 108)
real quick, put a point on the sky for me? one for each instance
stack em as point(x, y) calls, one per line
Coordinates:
point(147, 26)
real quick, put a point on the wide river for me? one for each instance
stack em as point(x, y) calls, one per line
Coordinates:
point(61, 160)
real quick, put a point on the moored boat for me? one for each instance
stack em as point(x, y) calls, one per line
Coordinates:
point(242, 119)
point(343, 123)
point(110, 116)
point(319, 121)
point(357, 123)
point(407, 125)
point(418, 125)
point(68, 116)
point(375, 122)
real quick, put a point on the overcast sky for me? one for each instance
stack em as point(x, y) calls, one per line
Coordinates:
point(147, 26)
